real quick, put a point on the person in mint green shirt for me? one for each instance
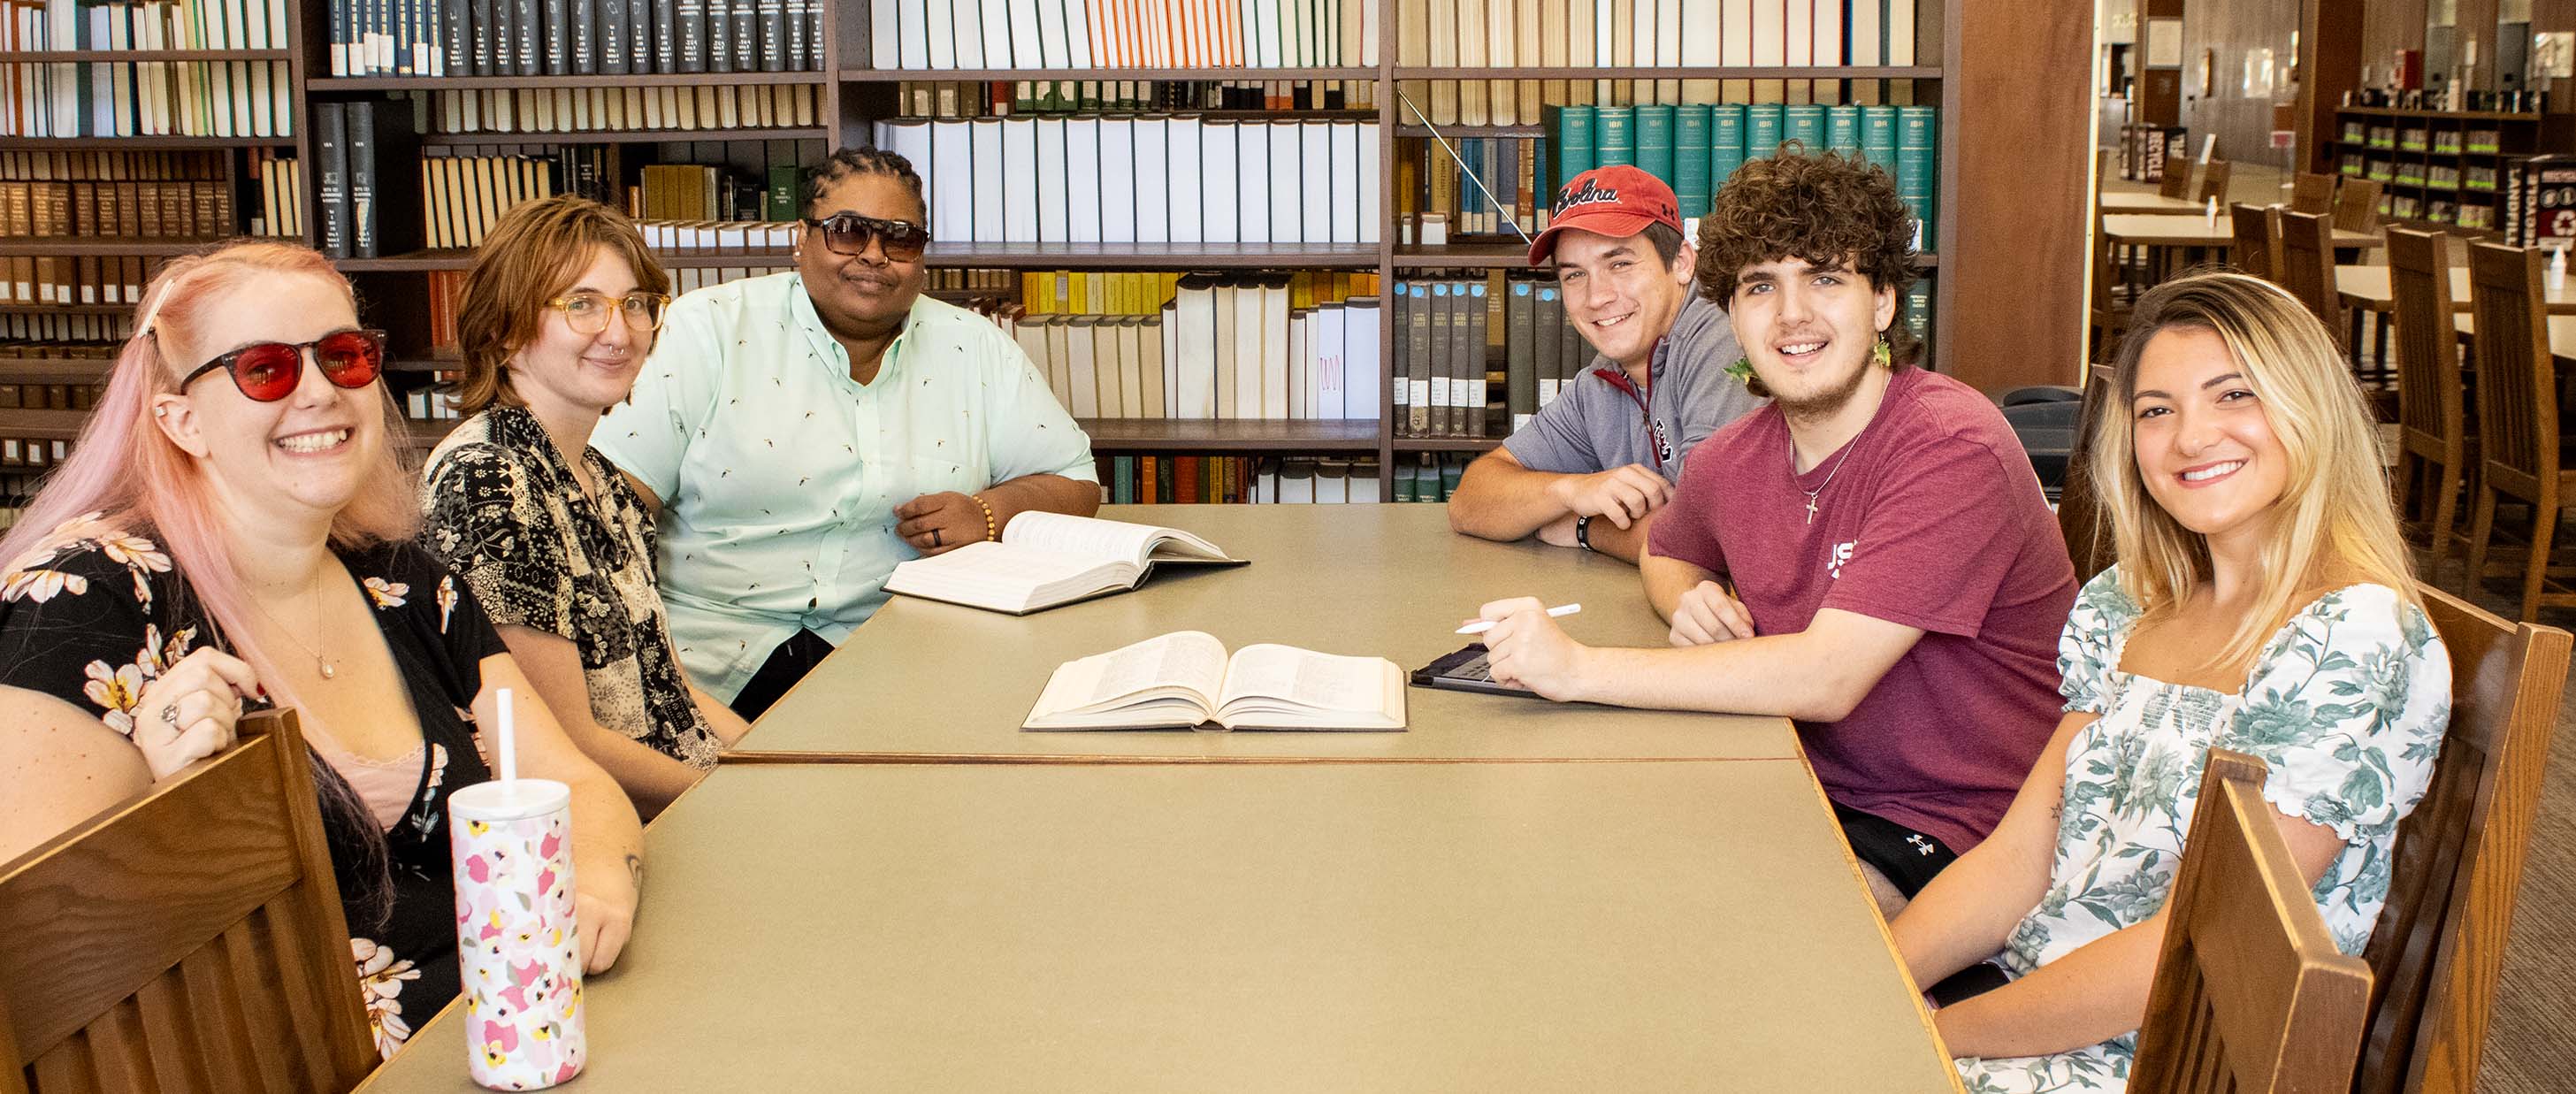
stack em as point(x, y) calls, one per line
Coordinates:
point(802, 433)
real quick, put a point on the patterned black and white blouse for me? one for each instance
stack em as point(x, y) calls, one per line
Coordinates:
point(100, 610)
point(509, 517)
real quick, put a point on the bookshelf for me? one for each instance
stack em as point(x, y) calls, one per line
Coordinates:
point(2009, 207)
point(2441, 169)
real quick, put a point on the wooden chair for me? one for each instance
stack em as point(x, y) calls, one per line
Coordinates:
point(2258, 239)
point(2312, 193)
point(2250, 993)
point(2357, 206)
point(2107, 315)
point(2306, 268)
point(2176, 182)
point(2435, 451)
point(2438, 948)
point(2518, 438)
point(2079, 510)
point(2212, 184)
point(188, 939)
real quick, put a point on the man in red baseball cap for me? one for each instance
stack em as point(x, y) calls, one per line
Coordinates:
point(1596, 463)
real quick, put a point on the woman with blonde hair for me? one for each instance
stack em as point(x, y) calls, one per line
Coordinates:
point(2262, 602)
point(233, 528)
point(559, 313)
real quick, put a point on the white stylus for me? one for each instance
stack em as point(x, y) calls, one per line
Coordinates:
point(1482, 625)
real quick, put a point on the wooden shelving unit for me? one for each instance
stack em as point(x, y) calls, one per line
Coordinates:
point(2410, 167)
point(1988, 198)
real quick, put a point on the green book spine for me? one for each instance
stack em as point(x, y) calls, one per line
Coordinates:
point(1918, 164)
point(1655, 141)
point(1690, 159)
point(1575, 136)
point(1918, 314)
point(1842, 130)
point(1725, 144)
point(783, 181)
point(1543, 177)
point(1616, 136)
point(1762, 130)
point(1123, 469)
point(1805, 124)
point(1878, 136)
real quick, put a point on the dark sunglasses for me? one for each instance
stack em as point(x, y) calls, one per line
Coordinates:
point(268, 371)
point(849, 233)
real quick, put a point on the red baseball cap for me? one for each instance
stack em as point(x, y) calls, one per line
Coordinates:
point(1618, 200)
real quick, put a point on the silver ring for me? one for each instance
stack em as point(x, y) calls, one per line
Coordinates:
point(170, 715)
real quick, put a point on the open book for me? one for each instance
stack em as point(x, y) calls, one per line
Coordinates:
point(1047, 559)
point(1184, 679)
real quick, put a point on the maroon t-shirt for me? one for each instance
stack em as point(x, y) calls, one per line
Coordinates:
point(1933, 520)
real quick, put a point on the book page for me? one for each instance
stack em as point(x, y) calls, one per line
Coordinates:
point(1191, 660)
point(1093, 538)
point(1002, 576)
point(1305, 678)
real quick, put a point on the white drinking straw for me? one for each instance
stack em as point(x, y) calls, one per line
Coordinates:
point(509, 746)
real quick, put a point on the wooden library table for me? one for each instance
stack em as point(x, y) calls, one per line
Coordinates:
point(2366, 287)
point(2116, 202)
point(1270, 927)
point(926, 680)
point(2196, 230)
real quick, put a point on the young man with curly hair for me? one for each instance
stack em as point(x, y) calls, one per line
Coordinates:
point(1870, 555)
point(1598, 462)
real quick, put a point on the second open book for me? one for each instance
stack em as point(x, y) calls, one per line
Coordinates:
point(1184, 679)
point(1046, 559)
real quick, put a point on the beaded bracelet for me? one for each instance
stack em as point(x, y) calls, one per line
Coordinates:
point(990, 533)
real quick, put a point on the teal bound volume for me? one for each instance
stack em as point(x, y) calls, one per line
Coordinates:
point(1918, 164)
point(1574, 143)
point(1616, 139)
point(1878, 136)
point(1842, 130)
point(1655, 141)
point(1762, 130)
point(1805, 124)
point(1725, 145)
point(1691, 159)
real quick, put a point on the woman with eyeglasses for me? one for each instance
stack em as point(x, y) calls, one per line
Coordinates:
point(233, 529)
point(558, 315)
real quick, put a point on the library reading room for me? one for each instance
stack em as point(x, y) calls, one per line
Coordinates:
point(1287, 545)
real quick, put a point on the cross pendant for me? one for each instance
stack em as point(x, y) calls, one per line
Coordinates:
point(1811, 508)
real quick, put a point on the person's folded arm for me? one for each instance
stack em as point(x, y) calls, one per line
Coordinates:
point(1666, 579)
point(552, 664)
point(2098, 991)
point(1815, 675)
point(1968, 911)
point(1500, 498)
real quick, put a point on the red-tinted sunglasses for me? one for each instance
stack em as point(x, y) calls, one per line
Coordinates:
point(268, 371)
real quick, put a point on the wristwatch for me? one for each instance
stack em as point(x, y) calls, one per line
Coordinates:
point(1583, 534)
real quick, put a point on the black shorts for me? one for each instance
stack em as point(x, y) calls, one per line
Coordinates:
point(1908, 858)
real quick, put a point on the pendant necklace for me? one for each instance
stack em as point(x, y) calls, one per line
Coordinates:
point(321, 664)
point(1829, 475)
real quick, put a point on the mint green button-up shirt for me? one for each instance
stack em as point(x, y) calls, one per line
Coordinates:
point(779, 474)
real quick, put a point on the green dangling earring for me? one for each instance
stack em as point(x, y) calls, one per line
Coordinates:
point(1880, 353)
point(1742, 370)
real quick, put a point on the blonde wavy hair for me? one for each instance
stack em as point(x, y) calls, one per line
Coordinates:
point(2336, 524)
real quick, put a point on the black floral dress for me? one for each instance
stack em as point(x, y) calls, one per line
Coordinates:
point(507, 514)
point(100, 610)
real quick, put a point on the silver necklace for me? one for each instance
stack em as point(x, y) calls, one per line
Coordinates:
point(1829, 475)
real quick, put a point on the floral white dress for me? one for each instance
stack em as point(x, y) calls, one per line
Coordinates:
point(2346, 704)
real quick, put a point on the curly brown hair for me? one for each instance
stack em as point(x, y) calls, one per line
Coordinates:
point(1824, 208)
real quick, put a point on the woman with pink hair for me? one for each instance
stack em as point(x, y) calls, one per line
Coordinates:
point(233, 527)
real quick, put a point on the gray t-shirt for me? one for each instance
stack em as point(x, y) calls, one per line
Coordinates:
point(1598, 420)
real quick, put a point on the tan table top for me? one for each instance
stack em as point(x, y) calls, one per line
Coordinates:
point(1254, 928)
point(2115, 202)
point(2367, 287)
point(2196, 230)
point(926, 679)
point(2562, 335)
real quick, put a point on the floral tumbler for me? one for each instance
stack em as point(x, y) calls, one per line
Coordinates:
point(516, 944)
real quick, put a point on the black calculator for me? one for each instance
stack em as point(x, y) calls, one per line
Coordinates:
point(1465, 670)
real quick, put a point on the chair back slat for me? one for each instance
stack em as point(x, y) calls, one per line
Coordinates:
point(2357, 206)
point(2437, 950)
point(2307, 268)
point(2430, 404)
point(2250, 993)
point(2080, 519)
point(2258, 239)
point(2517, 381)
point(2312, 193)
point(2176, 182)
point(2212, 184)
point(188, 939)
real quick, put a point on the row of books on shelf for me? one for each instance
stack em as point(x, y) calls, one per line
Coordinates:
point(117, 210)
point(2479, 139)
point(31, 25)
point(574, 37)
point(43, 323)
point(1444, 332)
point(446, 292)
point(942, 35)
point(574, 110)
point(48, 396)
point(72, 279)
point(1001, 98)
point(1167, 480)
point(1154, 179)
point(1223, 348)
point(29, 454)
point(147, 99)
point(1696, 148)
